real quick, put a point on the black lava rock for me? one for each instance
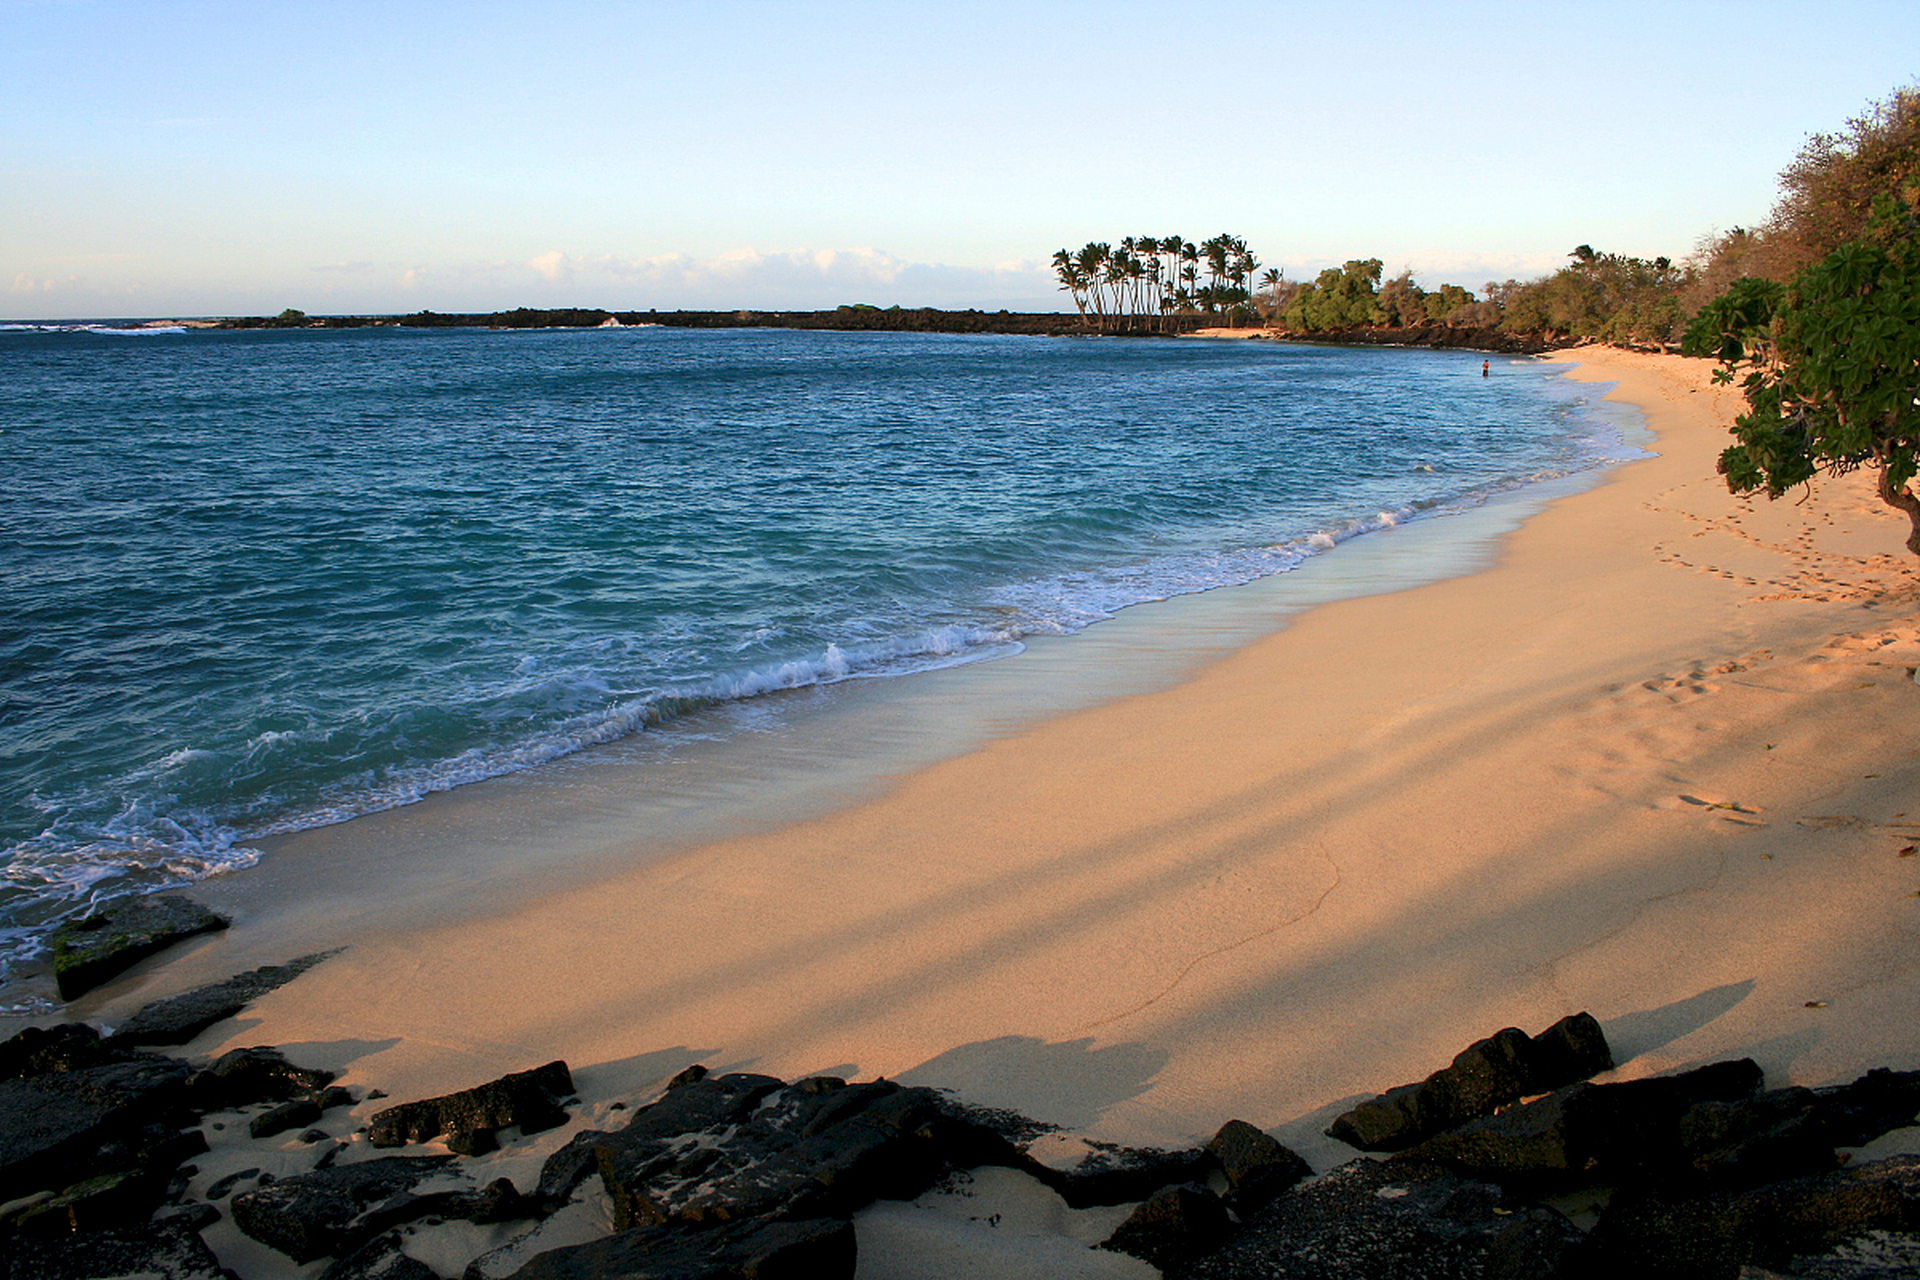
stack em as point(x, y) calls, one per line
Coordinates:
point(334, 1211)
point(91, 950)
point(1400, 1220)
point(180, 1018)
point(529, 1099)
point(809, 1249)
point(1256, 1165)
point(61, 1127)
point(1590, 1133)
point(1175, 1225)
point(1712, 1237)
point(158, 1251)
point(1487, 1075)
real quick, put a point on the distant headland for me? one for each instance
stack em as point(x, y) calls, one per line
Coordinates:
point(871, 319)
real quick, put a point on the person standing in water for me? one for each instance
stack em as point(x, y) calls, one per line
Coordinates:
point(1483, 367)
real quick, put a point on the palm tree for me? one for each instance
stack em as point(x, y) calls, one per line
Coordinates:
point(1073, 279)
point(1092, 261)
point(1150, 263)
point(1169, 281)
point(1241, 272)
point(1217, 251)
point(1146, 282)
point(1116, 278)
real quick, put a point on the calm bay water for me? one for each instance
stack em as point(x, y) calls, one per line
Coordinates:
point(256, 582)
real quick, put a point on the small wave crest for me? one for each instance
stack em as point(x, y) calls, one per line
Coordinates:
point(91, 326)
point(156, 843)
point(72, 868)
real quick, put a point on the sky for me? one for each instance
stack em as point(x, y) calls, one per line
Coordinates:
point(201, 157)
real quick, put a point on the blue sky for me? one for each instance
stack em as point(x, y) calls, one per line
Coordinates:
point(200, 157)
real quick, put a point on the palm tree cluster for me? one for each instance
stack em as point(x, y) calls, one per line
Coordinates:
point(1149, 283)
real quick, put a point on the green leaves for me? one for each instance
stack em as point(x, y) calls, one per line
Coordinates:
point(1835, 366)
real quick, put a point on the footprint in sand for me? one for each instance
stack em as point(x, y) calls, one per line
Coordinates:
point(1898, 829)
point(1682, 688)
point(1901, 643)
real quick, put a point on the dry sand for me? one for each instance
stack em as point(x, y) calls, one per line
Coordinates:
point(1224, 331)
point(1658, 762)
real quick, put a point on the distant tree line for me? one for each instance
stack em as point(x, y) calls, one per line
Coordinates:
point(1148, 284)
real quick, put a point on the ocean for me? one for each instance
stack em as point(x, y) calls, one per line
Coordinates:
point(257, 582)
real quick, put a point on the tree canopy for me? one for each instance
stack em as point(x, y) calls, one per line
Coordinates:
point(1833, 365)
point(1826, 197)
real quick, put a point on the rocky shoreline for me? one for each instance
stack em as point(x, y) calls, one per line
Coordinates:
point(1475, 1171)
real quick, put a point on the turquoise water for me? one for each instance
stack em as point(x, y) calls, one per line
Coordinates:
point(257, 582)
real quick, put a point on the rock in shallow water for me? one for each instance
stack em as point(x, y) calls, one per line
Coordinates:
point(89, 951)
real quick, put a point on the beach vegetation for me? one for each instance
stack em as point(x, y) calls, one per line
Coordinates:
point(1171, 284)
point(1154, 284)
point(1832, 364)
point(1403, 302)
point(1615, 297)
point(1826, 198)
point(1347, 297)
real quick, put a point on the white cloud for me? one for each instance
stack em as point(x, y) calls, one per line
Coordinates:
point(797, 278)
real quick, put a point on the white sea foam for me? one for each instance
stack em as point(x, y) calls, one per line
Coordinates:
point(83, 326)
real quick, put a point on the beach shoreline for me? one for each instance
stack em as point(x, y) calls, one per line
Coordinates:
point(1653, 762)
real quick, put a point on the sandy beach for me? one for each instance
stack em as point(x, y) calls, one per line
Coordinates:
point(1656, 762)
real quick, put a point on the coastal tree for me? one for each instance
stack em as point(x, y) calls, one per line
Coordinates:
point(1833, 366)
point(1403, 301)
point(1162, 283)
point(1826, 197)
point(1339, 298)
point(1444, 304)
point(1145, 281)
point(1829, 190)
point(1599, 295)
point(1275, 289)
point(1066, 267)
